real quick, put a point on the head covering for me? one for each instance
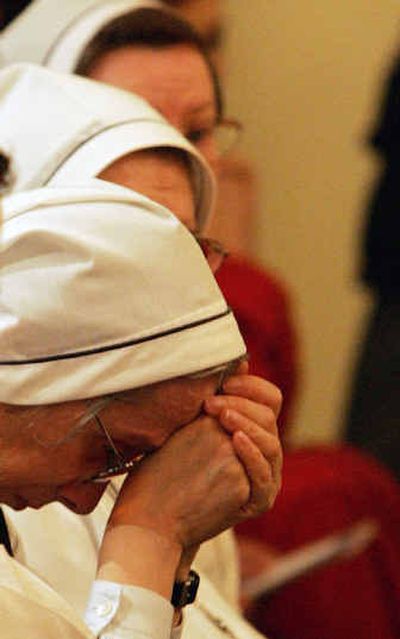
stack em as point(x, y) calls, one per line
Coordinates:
point(75, 127)
point(103, 290)
point(55, 33)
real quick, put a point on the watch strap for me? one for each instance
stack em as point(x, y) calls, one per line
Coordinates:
point(184, 592)
point(4, 535)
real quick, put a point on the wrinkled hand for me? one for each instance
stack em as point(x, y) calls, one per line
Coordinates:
point(194, 487)
point(248, 410)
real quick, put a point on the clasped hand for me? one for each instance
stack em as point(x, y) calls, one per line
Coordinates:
point(222, 468)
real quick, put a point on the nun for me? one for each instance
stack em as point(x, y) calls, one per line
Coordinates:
point(104, 368)
point(145, 48)
point(81, 107)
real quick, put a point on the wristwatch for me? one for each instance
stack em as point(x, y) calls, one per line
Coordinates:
point(184, 592)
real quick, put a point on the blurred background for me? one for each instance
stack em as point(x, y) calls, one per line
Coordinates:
point(306, 78)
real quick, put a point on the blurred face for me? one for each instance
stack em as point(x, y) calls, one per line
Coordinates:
point(175, 80)
point(49, 456)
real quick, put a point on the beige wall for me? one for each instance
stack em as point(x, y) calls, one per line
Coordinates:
point(303, 77)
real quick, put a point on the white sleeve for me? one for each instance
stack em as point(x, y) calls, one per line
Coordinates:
point(116, 611)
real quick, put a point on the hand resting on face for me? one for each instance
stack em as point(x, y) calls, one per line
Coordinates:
point(203, 480)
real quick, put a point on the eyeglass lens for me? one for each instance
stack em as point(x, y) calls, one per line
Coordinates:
point(213, 251)
point(227, 134)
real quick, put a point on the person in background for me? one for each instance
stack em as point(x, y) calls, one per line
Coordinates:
point(262, 301)
point(324, 488)
point(374, 413)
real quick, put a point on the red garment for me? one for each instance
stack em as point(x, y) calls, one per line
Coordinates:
point(325, 490)
point(262, 309)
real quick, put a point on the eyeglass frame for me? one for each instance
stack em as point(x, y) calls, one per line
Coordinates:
point(217, 248)
point(233, 125)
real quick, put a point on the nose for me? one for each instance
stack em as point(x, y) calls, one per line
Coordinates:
point(81, 498)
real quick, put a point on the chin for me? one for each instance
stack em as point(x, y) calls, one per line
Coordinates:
point(34, 502)
point(36, 505)
point(16, 502)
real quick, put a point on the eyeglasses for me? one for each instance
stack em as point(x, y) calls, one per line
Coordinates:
point(225, 370)
point(222, 136)
point(213, 251)
point(117, 464)
point(227, 134)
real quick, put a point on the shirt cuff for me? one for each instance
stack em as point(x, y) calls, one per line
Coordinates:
point(117, 611)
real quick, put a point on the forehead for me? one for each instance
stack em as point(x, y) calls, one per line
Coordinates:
point(162, 175)
point(174, 77)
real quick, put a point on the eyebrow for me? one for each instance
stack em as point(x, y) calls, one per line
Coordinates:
point(203, 107)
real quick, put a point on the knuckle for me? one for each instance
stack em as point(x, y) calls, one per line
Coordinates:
point(243, 492)
point(276, 400)
point(275, 490)
point(274, 495)
point(278, 397)
point(266, 475)
point(270, 417)
point(267, 496)
point(240, 488)
point(268, 502)
point(275, 448)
